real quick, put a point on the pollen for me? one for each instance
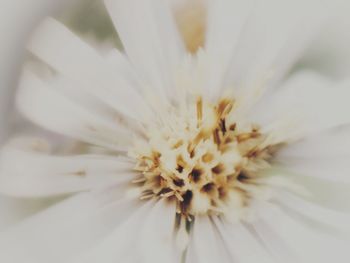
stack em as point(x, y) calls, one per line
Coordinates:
point(203, 159)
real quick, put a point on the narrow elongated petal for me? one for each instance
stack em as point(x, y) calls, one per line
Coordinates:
point(56, 112)
point(338, 221)
point(151, 39)
point(307, 243)
point(270, 239)
point(42, 174)
point(267, 46)
point(225, 24)
point(118, 246)
point(331, 143)
point(206, 243)
point(74, 59)
point(327, 193)
point(14, 210)
point(156, 239)
point(65, 230)
point(241, 244)
point(336, 169)
point(307, 103)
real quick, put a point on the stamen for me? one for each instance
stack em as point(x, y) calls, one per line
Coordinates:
point(205, 163)
point(199, 111)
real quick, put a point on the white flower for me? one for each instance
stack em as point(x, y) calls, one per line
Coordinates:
point(197, 151)
point(17, 21)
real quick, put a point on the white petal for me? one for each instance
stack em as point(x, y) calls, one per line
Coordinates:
point(65, 230)
point(278, 248)
point(206, 245)
point(119, 244)
point(332, 169)
point(156, 239)
point(241, 244)
point(329, 53)
point(226, 20)
point(273, 38)
point(56, 112)
point(331, 143)
point(41, 174)
point(14, 210)
point(321, 155)
point(150, 38)
point(74, 59)
point(308, 244)
point(306, 103)
point(336, 220)
point(330, 194)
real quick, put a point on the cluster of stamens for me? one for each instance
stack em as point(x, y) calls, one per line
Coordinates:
point(204, 160)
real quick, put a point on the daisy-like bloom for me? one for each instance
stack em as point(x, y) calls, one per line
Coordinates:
point(195, 145)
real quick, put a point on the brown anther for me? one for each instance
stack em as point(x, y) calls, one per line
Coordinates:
point(187, 198)
point(207, 158)
point(195, 175)
point(223, 126)
point(199, 111)
point(178, 144)
point(224, 108)
point(253, 153)
point(222, 193)
point(233, 127)
point(180, 162)
point(247, 136)
point(179, 168)
point(80, 173)
point(209, 187)
point(229, 139)
point(218, 169)
point(179, 182)
point(216, 137)
point(160, 181)
point(155, 158)
point(243, 176)
point(192, 153)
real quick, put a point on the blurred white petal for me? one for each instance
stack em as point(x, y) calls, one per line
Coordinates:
point(79, 223)
point(306, 243)
point(172, 160)
point(54, 111)
point(307, 102)
point(242, 245)
point(327, 193)
point(118, 245)
point(80, 63)
point(335, 220)
point(206, 245)
point(226, 21)
point(329, 143)
point(41, 174)
point(267, 45)
point(155, 242)
point(153, 26)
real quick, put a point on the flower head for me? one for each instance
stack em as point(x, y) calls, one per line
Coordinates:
point(194, 145)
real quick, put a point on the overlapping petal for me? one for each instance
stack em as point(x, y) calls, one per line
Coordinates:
point(27, 173)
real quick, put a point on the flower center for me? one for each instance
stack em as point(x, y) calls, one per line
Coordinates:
point(203, 159)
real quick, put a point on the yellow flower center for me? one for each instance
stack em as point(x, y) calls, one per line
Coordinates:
point(202, 159)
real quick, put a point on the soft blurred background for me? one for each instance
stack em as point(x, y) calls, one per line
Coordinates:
point(330, 55)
